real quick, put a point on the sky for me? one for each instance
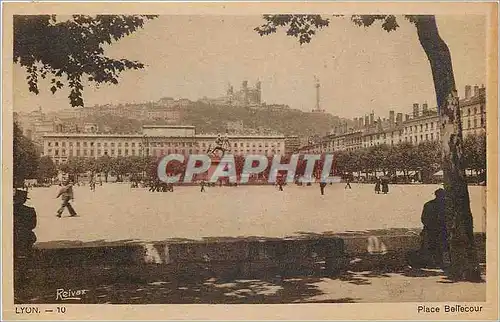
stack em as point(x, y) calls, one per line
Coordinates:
point(360, 69)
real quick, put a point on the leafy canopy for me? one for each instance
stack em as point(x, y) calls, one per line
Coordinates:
point(72, 48)
point(304, 27)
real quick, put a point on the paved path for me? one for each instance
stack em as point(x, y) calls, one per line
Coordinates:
point(116, 212)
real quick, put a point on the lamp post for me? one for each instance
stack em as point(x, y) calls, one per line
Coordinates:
point(145, 153)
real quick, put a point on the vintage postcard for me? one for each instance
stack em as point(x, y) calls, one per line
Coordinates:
point(250, 161)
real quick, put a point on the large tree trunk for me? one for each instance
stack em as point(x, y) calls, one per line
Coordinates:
point(463, 256)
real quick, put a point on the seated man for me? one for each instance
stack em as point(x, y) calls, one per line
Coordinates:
point(434, 242)
point(24, 237)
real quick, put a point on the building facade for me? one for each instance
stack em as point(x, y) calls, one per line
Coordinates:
point(156, 140)
point(421, 126)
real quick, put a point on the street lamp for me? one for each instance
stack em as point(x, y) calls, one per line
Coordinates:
point(145, 153)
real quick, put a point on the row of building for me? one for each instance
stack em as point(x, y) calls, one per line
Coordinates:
point(158, 140)
point(421, 126)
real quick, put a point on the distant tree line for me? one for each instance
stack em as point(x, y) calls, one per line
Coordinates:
point(405, 159)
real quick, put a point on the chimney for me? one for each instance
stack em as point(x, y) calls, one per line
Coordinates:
point(425, 109)
point(467, 91)
point(391, 118)
point(476, 90)
point(415, 109)
point(367, 121)
point(407, 117)
point(372, 119)
point(399, 118)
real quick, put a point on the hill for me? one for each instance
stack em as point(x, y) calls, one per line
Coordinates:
point(213, 118)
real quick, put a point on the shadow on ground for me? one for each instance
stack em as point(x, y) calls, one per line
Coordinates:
point(153, 285)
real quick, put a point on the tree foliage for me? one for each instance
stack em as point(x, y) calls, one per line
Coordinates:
point(304, 27)
point(72, 50)
point(25, 157)
point(46, 169)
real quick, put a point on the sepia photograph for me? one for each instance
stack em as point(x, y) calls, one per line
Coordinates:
point(238, 154)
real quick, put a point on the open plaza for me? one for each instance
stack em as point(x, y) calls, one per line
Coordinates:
point(116, 212)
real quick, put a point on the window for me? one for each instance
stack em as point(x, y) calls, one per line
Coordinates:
point(475, 123)
point(112, 145)
point(468, 111)
point(426, 126)
point(49, 144)
point(91, 144)
point(468, 124)
point(133, 144)
point(475, 110)
point(92, 153)
point(49, 151)
point(77, 144)
point(70, 153)
point(126, 144)
point(236, 145)
point(421, 127)
point(427, 137)
point(57, 144)
point(105, 144)
point(63, 151)
point(432, 136)
point(133, 152)
point(85, 152)
point(119, 144)
point(99, 152)
point(119, 151)
point(432, 125)
point(63, 144)
point(84, 144)
point(126, 151)
point(112, 151)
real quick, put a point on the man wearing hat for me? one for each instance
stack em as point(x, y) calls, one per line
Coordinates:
point(66, 194)
point(434, 234)
point(24, 237)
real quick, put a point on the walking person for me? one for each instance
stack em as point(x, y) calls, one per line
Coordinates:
point(202, 185)
point(385, 185)
point(347, 183)
point(322, 186)
point(377, 185)
point(66, 194)
point(280, 184)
